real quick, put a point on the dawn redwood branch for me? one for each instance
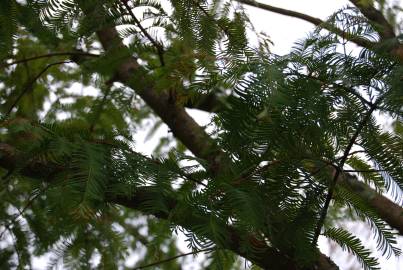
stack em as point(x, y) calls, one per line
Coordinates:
point(385, 208)
point(381, 24)
point(182, 125)
point(262, 254)
point(282, 11)
point(163, 103)
point(376, 19)
point(396, 52)
point(158, 46)
point(315, 21)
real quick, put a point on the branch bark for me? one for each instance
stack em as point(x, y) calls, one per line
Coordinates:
point(373, 15)
point(385, 208)
point(182, 125)
point(262, 255)
point(376, 18)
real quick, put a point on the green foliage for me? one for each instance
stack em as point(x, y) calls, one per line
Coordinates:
point(8, 27)
point(283, 122)
point(353, 245)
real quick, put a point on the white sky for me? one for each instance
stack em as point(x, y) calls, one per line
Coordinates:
point(283, 31)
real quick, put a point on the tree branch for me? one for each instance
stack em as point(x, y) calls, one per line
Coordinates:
point(282, 11)
point(182, 125)
point(158, 46)
point(339, 171)
point(375, 18)
point(173, 258)
point(315, 21)
point(78, 53)
point(385, 208)
point(396, 52)
point(261, 254)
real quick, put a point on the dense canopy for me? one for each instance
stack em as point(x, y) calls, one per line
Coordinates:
point(296, 144)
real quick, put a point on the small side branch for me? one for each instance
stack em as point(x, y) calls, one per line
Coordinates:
point(158, 46)
point(48, 56)
point(173, 258)
point(339, 170)
point(30, 85)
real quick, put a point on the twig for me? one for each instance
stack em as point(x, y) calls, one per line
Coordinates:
point(47, 56)
point(364, 171)
point(31, 83)
point(27, 205)
point(315, 21)
point(339, 170)
point(356, 152)
point(160, 49)
point(224, 29)
point(98, 111)
point(347, 89)
point(173, 258)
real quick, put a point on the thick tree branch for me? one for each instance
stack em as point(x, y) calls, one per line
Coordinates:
point(262, 255)
point(385, 208)
point(315, 21)
point(376, 18)
point(174, 115)
point(385, 31)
